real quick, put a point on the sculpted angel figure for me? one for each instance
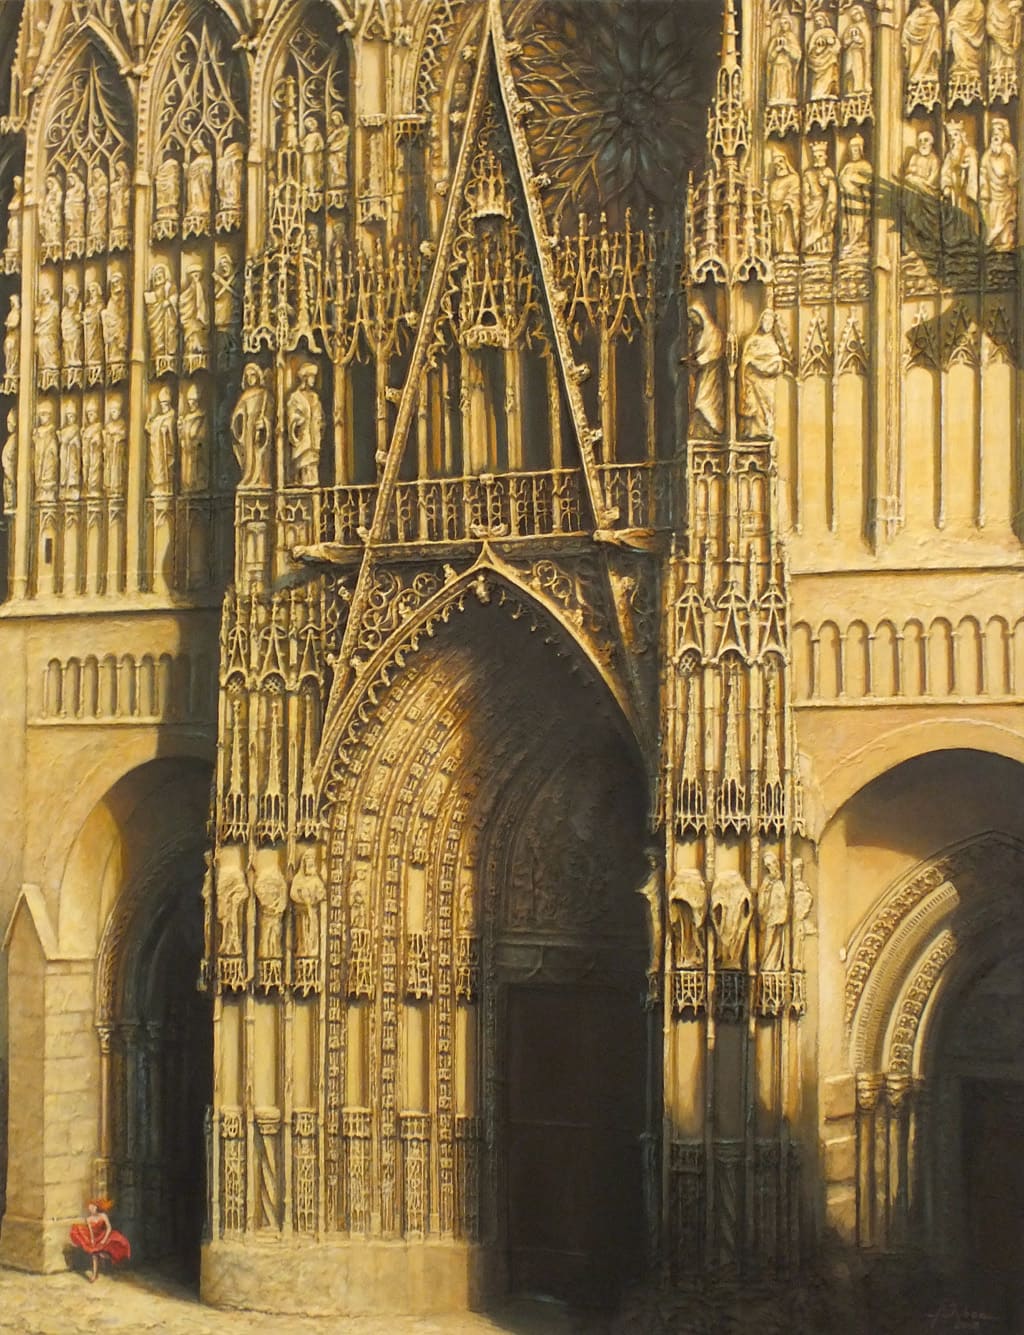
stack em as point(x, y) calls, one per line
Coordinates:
point(251, 428)
point(760, 365)
point(308, 892)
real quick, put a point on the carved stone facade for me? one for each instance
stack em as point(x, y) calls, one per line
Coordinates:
point(597, 427)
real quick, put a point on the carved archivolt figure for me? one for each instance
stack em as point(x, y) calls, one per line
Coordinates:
point(12, 343)
point(308, 892)
point(161, 299)
point(965, 36)
point(822, 59)
point(921, 195)
point(730, 915)
point(9, 462)
point(856, 179)
point(70, 454)
point(359, 897)
point(162, 430)
point(1003, 24)
point(803, 902)
point(92, 451)
point(114, 322)
point(305, 418)
point(707, 360)
point(14, 208)
point(959, 182)
point(784, 204)
point(760, 364)
point(687, 908)
point(856, 41)
point(272, 894)
point(997, 187)
point(195, 473)
point(922, 43)
point(652, 890)
point(773, 915)
point(115, 438)
point(74, 214)
point(251, 429)
point(51, 218)
point(232, 895)
point(48, 338)
point(71, 329)
point(819, 198)
point(45, 453)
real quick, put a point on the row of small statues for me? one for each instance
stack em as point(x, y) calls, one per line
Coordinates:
point(229, 890)
point(171, 436)
point(761, 362)
point(837, 63)
point(729, 907)
point(182, 318)
point(201, 210)
point(318, 161)
point(252, 427)
point(85, 214)
point(76, 457)
point(974, 30)
point(76, 344)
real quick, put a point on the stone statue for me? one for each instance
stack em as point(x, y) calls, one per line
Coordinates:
point(312, 160)
point(195, 472)
point(783, 57)
point(338, 134)
point(922, 43)
point(959, 183)
point(14, 208)
point(252, 429)
point(359, 898)
point(856, 180)
point(687, 914)
point(308, 892)
point(997, 187)
point(92, 325)
point(819, 200)
point(115, 440)
point(168, 190)
point(232, 896)
point(199, 186)
point(51, 218)
point(305, 419)
point(120, 203)
point(760, 365)
point(161, 301)
point(1003, 25)
point(74, 214)
point(772, 915)
point(195, 318)
point(70, 454)
point(856, 62)
point(921, 195)
point(48, 338)
point(92, 451)
point(230, 165)
point(652, 891)
point(9, 462)
point(272, 895)
point(114, 323)
point(12, 343)
point(226, 303)
point(162, 430)
point(707, 363)
point(46, 453)
point(803, 902)
point(731, 911)
point(965, 37)
point(206, 894)
point(71, 330)
point(822, 56)
point(96, 210)
point(784, 204)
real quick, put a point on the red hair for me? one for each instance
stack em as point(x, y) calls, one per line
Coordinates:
point(103, 1203)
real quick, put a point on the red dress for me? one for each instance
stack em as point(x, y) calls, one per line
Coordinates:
point(88, 1235)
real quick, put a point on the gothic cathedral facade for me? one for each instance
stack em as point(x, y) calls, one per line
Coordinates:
point(513, 639)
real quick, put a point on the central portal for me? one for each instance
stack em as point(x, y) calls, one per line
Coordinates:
point(574, 1122)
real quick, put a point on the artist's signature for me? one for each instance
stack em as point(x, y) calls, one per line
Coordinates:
point(953, 1320)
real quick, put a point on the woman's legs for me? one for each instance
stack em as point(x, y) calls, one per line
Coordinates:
point(94, 1276)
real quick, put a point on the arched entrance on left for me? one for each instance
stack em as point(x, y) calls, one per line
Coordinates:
point(116, 946)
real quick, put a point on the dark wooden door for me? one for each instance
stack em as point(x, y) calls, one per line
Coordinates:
point(993, 1126)
point(574, 1108)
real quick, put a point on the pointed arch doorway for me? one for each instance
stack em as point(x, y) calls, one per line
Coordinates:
point(488, 839)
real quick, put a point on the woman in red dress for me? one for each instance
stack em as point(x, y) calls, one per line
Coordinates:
point(96, 1238)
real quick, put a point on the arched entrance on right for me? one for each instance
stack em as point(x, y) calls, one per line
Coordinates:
point(934, 1006)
